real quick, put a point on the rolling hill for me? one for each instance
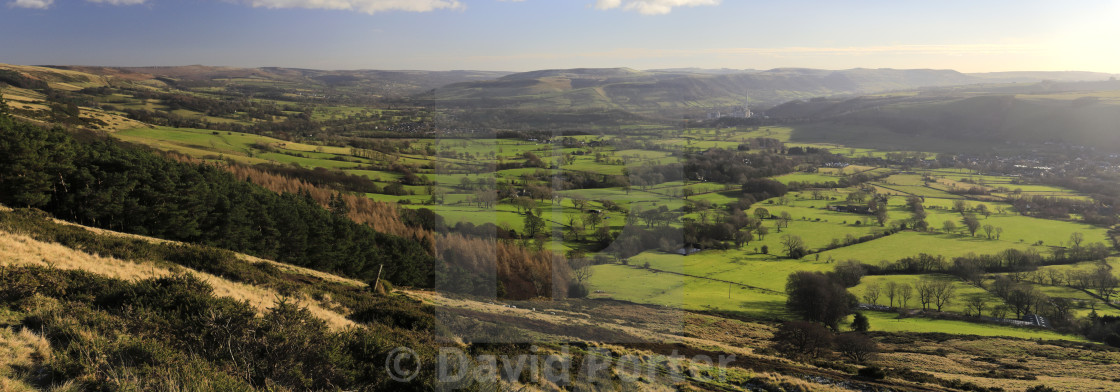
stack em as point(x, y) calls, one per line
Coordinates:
point(1081, 113)
point(383, 82)
point(679, 91)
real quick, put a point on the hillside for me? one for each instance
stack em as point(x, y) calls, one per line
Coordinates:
point(388, 82)
point(116, 311)
point(685, 90)
point(1084, 114)
point(285, 102)
point(34, 329)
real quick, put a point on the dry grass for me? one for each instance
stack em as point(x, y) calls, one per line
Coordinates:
point(59, 78)
point(980, 361)
point(251, 259)
point(23, 348)
point(650, 324)
point(12, 385)
point(17, 249)
point(16, 95)
point(20, 352)
point(303, 271)
point(24, 99)
point(986, 362)
point(114, 122)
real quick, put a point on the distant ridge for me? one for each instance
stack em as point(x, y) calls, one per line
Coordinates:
point(396, 82)
point(672, 92)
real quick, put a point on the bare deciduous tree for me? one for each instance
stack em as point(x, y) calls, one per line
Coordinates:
point(975, 306)
point(856, 346)
point(794, 245)
point(905, 292)
point(949, 227)
point(1104, 283)
point(871, 293)
point(943, 292)
point(891, 290)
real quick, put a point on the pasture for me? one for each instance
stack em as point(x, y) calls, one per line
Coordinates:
point(749, 280)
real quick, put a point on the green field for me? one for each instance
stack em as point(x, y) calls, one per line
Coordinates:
point(909, 244)
point(807, 178)
point(964, 291)
point(629, 283)
point(745, 280)
point(890, 322)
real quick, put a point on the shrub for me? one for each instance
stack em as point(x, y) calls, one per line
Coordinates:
point(818, 297)
point(856, 346)
point(576, 290)
point(872, 372)
point(171, 333)
point(860, 323)
point(386, 285)
point(802, 339)
point(394, 311)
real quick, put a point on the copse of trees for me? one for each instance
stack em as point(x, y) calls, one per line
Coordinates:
point(936, 293)
point(634, 240)
point(804, 340)
point(819, 297)
point(734, 167)
point(99, 182)
point(764, 188)
point(1103, 210)
point(1103, 329)
point(1091, 211)
point(732, 229)
point(324, 177)
point(649, 175)
point(971, 267)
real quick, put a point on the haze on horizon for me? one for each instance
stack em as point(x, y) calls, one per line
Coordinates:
point(521, 35)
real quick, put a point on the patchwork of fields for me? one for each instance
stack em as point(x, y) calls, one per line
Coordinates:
point(447, 175)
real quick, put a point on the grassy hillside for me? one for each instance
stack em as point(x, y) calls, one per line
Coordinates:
point(112, 311)
point(661, 93)
point(386, 82)
point(1078, 113)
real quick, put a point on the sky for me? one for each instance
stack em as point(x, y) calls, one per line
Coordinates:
point(968, 36)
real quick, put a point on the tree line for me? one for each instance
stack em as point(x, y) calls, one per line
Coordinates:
point(519, 271)
point(93, 180)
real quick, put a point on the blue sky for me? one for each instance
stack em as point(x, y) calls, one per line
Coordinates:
point(970, 36)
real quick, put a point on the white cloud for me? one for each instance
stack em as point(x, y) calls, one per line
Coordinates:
point(607, 4)
point(118, 2)
point(364, 6)
point(651, 7)
point(36, 4)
